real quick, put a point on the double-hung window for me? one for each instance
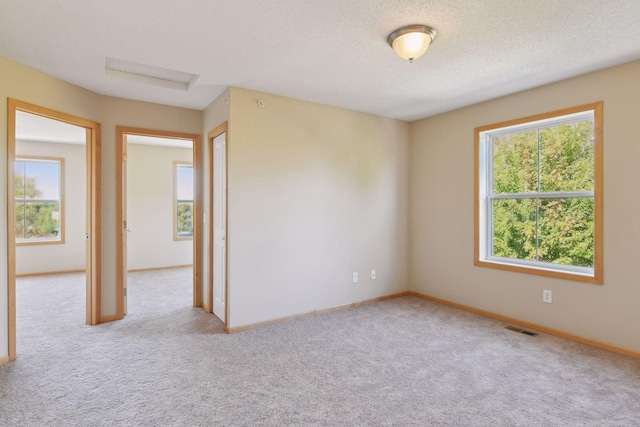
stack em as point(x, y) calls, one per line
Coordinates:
point(183, 201)
point(539, 194)
point(38, 200)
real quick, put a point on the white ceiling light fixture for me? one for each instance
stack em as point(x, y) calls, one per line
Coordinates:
point(412, 41)
point(148, 74)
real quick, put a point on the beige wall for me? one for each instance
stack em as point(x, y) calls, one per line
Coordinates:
point(150, 207)
point(213, 116)
point(71, 254)
point(315, 193)
point(442, 219)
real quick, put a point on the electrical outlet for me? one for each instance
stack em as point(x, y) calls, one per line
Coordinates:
point(373, 275)
point(547, 296)
point(355, 277)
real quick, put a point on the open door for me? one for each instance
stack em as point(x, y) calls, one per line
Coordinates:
point(124, 228)
point(93, 197)
point(219, 225)
point(218, 288)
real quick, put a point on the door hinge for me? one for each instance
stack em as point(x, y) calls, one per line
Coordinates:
point(125, 292)
point(124, 224)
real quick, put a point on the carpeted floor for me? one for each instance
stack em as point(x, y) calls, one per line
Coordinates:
point(403, 362)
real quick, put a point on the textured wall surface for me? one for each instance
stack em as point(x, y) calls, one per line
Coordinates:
point(315, 193)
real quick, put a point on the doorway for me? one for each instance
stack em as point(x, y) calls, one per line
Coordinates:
point(35, 212)
point(217, 286)
point(187, 209)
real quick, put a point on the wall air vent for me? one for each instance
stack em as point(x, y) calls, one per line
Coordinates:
point(148, 74)
point(522, 331)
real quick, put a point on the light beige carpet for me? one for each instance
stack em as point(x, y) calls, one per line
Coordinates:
point(404, 362)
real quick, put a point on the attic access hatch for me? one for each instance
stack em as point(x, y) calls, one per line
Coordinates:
point(148, 74)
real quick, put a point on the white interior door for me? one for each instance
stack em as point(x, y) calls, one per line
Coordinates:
point(219, 225)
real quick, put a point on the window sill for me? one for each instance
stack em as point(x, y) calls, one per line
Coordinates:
point(594, 277)
point(39, 242)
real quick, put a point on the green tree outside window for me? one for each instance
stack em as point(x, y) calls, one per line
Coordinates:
point(37, 200)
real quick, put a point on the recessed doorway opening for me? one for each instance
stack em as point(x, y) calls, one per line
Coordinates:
point(53, 208)
point(158, 208)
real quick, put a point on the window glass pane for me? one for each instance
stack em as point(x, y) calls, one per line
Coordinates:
point(185, 215)
point(19, 220)
point(42, 180)
point(184, 178)
point(42, 220)
point(514, 228)
point(515, 163)
point(566, 231)
point(19, 183)
point(567, 157)
point(37, 192)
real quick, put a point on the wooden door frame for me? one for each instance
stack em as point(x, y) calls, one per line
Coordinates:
point(121, 131)
point(93, 148)
point(223, 128)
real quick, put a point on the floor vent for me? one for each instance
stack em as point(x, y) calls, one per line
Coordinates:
point(522, 331)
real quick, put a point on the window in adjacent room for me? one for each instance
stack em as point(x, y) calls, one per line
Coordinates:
point(38, 200)
point(183, 201)
point(539, 194)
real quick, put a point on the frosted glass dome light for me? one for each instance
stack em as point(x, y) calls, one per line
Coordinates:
point(411, 42)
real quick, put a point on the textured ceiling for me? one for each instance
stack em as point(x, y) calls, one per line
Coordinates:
point(327, 51)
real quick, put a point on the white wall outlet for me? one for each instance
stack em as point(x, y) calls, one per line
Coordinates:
point(355, 277)
point(547, 296)
point(373, 275)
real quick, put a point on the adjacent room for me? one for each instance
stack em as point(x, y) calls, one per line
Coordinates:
point(159, 215)
point(319, 213)
point(49, 225)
